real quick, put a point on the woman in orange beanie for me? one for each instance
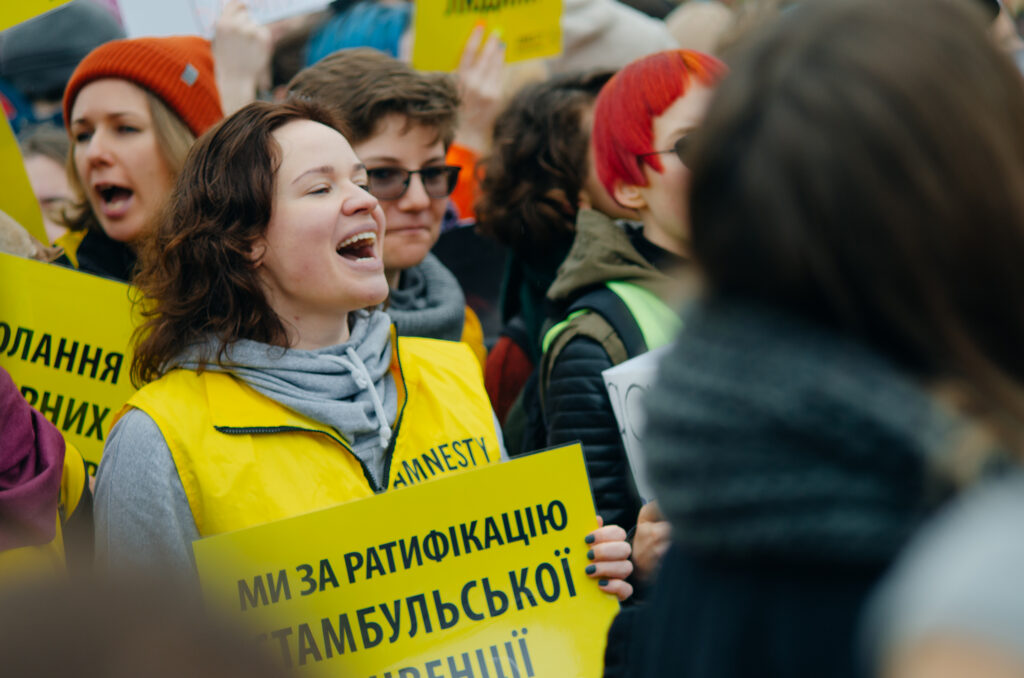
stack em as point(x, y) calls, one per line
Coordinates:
point(132, 108)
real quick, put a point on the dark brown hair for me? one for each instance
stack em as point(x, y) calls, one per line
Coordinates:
point(363, 86)
point(529, 194)
point(197, 279)
point(862, 166)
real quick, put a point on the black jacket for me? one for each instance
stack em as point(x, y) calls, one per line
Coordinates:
point(720, 619)
point(576, 404)
point(100, 255)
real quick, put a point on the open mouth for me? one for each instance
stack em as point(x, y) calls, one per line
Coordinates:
point(359, 247)
point(114, 197)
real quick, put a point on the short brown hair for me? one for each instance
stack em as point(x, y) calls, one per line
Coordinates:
point(874, 186)
point(363, 86)
point(196, 279)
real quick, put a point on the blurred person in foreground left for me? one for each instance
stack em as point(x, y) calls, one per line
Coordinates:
point(132, 627)
point(45, 503)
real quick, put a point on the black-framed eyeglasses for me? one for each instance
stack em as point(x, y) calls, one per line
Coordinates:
point(391, 183)
point(680, 148)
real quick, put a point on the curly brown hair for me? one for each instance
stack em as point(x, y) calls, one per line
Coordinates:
point(197, 278)
point(529, 195)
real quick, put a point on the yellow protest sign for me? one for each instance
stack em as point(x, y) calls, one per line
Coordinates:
point(530, 29)
point(17, 198)
point(64, 338)
point(15, 11)
point(476, 574)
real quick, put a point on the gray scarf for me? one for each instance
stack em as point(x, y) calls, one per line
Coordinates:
point(428, 302)
point(773, 437)
point(347, 387)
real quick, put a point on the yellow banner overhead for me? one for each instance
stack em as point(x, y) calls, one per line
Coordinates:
point(64, 338)
point(476, 574)
point(15, 11)
point(530, 29)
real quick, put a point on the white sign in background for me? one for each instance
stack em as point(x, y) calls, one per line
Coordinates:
point(628, 384)
point(196, 17)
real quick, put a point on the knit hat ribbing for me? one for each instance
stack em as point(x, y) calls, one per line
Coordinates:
point(178, 70)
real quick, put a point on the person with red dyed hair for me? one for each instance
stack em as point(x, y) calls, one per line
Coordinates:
point(641, 116)
point(611, 298)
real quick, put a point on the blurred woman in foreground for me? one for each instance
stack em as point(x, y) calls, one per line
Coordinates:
point(858, 223)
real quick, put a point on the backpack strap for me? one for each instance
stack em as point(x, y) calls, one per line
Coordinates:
point(599, 315)
point(609, 305)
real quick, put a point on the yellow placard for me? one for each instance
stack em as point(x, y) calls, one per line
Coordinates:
point(15, 11)
point(17, 197)
point(64, 338)
point(530, 29)
point(480, 573)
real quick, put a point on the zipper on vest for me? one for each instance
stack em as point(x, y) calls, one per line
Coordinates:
point(390, 452)
point(256, 430)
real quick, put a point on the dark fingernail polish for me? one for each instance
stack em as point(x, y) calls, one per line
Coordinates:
point(591, 569)
point(603, 582)
point(589, 539)
point(590, 555)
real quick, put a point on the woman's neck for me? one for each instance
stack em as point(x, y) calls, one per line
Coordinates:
point(312, 332)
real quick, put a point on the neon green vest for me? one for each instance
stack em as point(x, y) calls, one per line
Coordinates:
point(657, 321)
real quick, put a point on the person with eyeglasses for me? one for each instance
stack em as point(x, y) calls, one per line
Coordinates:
point(401, 124)
point(612, 298)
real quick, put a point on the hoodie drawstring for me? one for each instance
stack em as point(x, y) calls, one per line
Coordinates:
point(363, 380)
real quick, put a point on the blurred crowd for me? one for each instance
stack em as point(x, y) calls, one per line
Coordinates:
point(809, 208)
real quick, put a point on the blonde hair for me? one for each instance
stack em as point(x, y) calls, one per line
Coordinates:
point(174, 139)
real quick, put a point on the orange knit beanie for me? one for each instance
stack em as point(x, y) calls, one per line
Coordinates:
point(178, 70)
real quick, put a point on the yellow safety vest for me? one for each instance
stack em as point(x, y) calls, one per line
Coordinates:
point(245, 459)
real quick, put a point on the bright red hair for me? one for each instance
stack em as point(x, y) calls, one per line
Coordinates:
point(625, 110)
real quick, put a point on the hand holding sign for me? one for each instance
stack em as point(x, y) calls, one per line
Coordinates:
point(609, 555)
